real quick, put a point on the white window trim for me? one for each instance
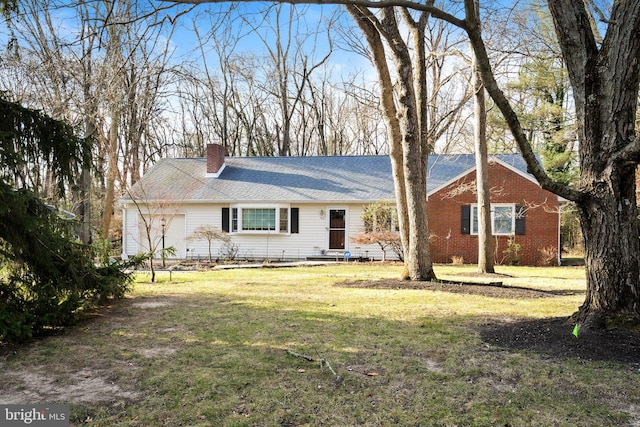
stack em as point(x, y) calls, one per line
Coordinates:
point(474, 214)
point(276, 207)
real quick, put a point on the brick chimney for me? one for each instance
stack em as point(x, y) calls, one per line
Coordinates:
point(215, 160)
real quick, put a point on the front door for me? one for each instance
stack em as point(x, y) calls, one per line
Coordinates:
point(337, 229)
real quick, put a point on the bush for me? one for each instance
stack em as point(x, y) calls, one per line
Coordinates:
point(46, 277)
point(548, 256)
point(380, 219)
point(457, 260)
point(512, 252)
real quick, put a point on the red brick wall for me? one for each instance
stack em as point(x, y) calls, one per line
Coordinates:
point(215, 157)
point(541, 218)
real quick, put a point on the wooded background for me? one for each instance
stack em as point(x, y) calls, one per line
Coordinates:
point(145, 83)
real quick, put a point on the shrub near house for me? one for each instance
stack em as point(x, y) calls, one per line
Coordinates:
point(380, 227)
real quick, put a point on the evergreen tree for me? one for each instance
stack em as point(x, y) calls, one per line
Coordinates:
point(47, 278)
point(545, 84)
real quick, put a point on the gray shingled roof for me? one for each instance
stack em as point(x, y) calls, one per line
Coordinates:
point(291, 179)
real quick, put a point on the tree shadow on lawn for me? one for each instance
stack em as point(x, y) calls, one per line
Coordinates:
point(551, 337)
point(491, 290)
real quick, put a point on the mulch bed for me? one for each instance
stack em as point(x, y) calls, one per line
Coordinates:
point(493, 289)
point(552, 337)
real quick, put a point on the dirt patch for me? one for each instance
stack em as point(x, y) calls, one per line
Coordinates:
point(151, 304)
point(85, 386)
point(157, 351)
point(80, 375)
point(493, 289)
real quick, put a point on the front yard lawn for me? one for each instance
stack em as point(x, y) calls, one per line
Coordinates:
point(220, 349)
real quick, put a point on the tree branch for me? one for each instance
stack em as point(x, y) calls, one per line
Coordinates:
point(629, 154)
point(510, 116)
point(356, 9)
point(321, 361)
point(434, 11)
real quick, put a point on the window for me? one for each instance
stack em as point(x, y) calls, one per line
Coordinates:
point(506, 219)
point(284, 220)
point(503, 218)
point(234, 219)
point(257, 219)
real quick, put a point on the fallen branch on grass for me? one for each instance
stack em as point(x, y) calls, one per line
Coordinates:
point(321, 361)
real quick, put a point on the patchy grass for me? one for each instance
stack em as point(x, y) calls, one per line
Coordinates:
point(210, 349)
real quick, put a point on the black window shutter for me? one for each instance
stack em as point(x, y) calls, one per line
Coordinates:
point(295, 222)
point(465, 220)
point(520, 216)
point(225, 220)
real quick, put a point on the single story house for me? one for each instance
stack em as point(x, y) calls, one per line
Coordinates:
point(302, 207)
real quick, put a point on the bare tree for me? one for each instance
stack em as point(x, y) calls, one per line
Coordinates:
point(59, 76)
point(219, 100)
point(101, 75)
point(605, 93)
point(210, 234)
point(114, 57)
point(291, 60)
point(485, 241)
point(379, 221)
point(366, 123)
point(412, 123)
point(257, 105)
point(137, 58)
point(154, 219)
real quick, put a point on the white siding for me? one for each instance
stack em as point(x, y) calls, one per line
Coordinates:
point(308, 242)
point(202, 215)
point(130, 241)
point(174, 234)
point(311, 240)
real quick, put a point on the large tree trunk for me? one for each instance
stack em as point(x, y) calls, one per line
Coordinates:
point(420, 268)
point(417, 255)
point(609, 225)
point(405, 144)
point(605, 79)
point(485, 242)
point(387, 103)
